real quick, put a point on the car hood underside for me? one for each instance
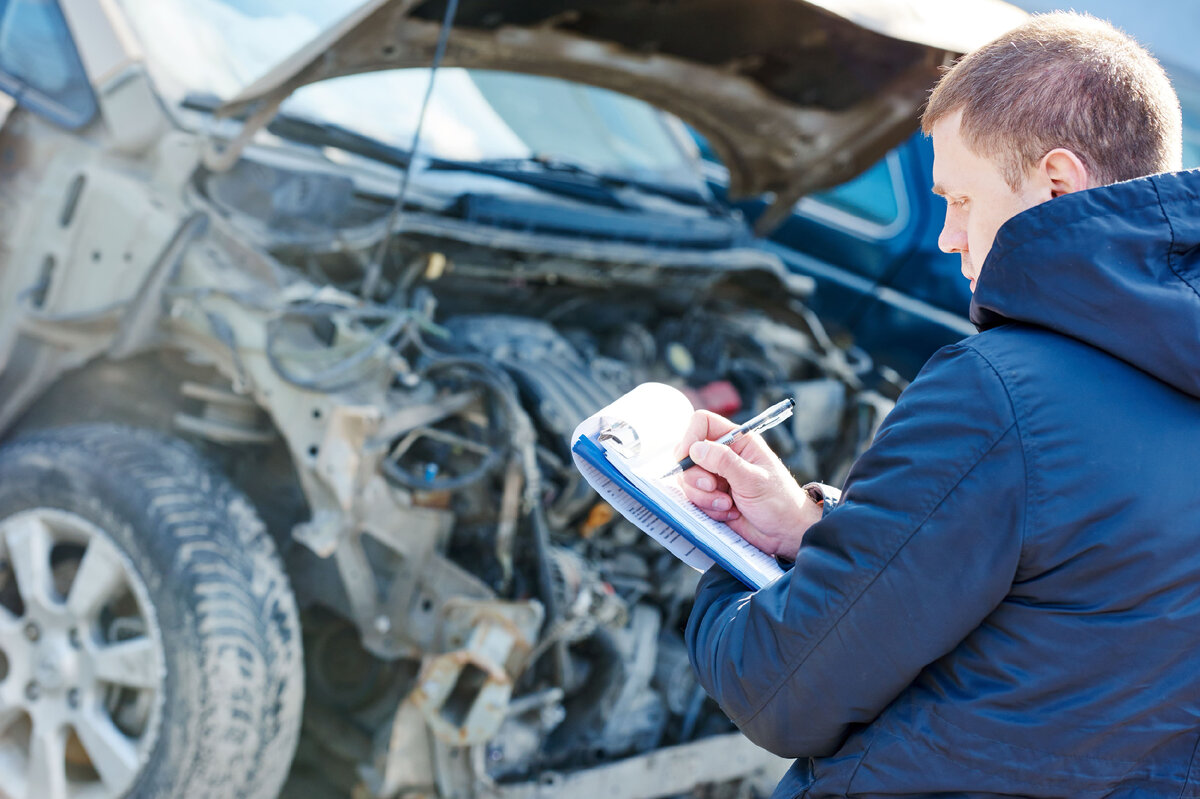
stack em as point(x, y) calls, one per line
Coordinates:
point(793, 95)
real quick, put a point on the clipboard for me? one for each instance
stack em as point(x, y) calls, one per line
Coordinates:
point(625, 469)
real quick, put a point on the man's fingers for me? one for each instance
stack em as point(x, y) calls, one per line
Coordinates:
point(708, 426)
point(704, 495)
point(703, 426)
point(704, 480)
point(721, 460)
point(715, 504)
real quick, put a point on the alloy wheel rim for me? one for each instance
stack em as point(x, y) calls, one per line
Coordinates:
point(82, 666)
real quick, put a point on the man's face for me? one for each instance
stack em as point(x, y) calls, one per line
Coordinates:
point(978, 198)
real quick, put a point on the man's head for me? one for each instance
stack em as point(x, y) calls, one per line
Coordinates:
point(1062, 103)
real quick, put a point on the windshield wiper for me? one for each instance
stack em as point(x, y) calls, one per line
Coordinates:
point(322, 134)
point(566, 180)
point(549, 172)
point(325, 134)
point(680, 194)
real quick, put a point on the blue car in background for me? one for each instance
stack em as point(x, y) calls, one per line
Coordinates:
point(871, 244)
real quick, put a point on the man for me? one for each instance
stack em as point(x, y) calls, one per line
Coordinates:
point(1007, 599)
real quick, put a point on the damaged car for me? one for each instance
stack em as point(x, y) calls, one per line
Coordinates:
point(288, 370)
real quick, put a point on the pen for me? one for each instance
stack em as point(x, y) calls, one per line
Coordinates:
point(764, 421)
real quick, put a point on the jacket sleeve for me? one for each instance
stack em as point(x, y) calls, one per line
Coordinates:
point(924, 544)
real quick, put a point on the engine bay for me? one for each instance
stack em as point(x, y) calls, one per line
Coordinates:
point(490, 355)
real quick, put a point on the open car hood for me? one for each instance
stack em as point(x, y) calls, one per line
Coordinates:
point(794, 95)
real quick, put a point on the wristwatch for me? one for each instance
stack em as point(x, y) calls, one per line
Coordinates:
point(826, 497)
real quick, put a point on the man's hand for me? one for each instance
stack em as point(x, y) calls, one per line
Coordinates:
point(746, 486)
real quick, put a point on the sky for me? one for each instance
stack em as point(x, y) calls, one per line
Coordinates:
point(1167, 28)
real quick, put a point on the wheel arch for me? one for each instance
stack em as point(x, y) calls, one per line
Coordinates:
point(151, 391)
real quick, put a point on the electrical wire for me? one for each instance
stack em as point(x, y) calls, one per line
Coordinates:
point(404, 325)
point(375, 268)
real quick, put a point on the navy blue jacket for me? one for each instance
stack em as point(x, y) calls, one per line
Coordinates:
point(1007, 599)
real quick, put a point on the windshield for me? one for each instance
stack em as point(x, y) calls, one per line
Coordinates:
point(218, 47)
point(477, 115)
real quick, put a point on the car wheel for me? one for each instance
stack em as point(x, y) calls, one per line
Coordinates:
point(149, 641)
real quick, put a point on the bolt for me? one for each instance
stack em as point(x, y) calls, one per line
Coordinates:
point(73, 697)
point(32, 631)
point(383, 625)
point(74, 638)
point(32, 692)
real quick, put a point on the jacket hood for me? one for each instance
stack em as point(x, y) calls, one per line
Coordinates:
point(794, 95)
point(1117, 267)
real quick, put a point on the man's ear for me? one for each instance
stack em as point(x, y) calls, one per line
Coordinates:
point(1064, 171)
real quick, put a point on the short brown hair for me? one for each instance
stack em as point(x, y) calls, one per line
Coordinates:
point(1064, 80)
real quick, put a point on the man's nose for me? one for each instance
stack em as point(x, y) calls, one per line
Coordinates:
point(953, 237)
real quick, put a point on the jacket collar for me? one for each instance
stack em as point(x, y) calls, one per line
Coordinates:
point(1117, 267)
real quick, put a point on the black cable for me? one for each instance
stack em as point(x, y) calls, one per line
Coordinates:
point(375, 268)
point(503, 395)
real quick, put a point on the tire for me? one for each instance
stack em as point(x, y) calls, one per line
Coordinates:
point(211, 705)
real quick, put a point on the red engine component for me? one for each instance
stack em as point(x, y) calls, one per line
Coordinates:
point(719, 396)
